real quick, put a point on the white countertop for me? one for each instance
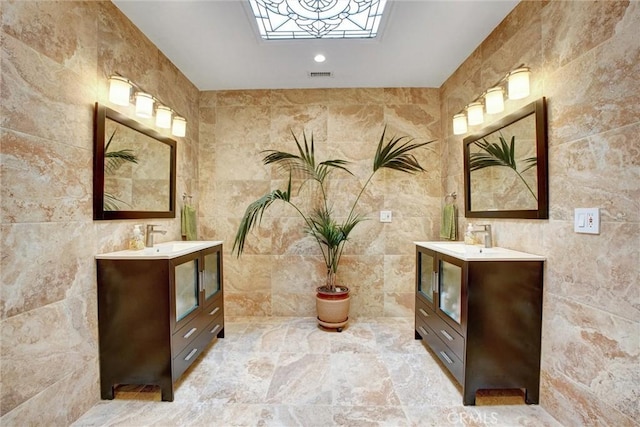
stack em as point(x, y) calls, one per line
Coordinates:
point(165, 250)
point(478, 253)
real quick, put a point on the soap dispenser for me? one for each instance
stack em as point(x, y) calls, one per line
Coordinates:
point(469, 237)
point(137, 238)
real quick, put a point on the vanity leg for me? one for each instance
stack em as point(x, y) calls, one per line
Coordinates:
point(221, 333)
point(531, 396)
point(167, 393)
point(469, 396)
point(106, 391)
point(417, 335)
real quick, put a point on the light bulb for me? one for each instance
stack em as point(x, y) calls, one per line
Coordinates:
point(475, 114)
point(163, 117)
point(179, 127)
point(459, 124)
point(519, 83)
point(119, 90)
point(494, 100)
point(144, 105)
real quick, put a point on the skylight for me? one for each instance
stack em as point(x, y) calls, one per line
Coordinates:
point(314, 19)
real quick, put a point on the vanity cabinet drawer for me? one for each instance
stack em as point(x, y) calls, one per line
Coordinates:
point(440, 349)
point(423, 311)
point(189, 332)
point(214, 309)
point(183, 360)
point(448, 335)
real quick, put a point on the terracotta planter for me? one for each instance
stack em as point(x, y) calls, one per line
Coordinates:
point(333, 307)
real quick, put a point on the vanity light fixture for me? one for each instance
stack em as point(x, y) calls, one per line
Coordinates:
point(494, 100)
point(179, 126)
point(144, 105)
point(163, 117)
point(519, 83)
point(518, 87)
point(120, 89)
point(459, 124)
point(475, 113)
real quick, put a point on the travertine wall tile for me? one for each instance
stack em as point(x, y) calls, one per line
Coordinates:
point(590, 336)
point(345, 123)
point(56, 57)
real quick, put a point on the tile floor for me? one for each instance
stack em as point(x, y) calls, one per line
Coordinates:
point(289, 372)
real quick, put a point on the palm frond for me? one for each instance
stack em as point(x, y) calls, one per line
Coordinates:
point(502, 154)
point(114, 159)
point(303, 164)
point(396, 154)
point(112, 203)
point(253, 215)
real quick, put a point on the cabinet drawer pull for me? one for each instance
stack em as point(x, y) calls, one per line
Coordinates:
point(424, 313)
point(447, 358)
point(213, 331)
point(446, 335)
point(191, 353)
point(214, 311)
point(188, 334)
point(423, 331)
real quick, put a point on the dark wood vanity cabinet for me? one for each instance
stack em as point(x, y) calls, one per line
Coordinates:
point(155, 317)
point(482, 319)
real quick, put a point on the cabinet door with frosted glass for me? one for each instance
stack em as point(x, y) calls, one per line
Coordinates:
point(451, 291)
point(425, 263)
point(185, 288)
point(212, 273)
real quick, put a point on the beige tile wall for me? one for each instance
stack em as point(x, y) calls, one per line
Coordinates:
point(281, 266)
point(585, 58)
point(55, 60)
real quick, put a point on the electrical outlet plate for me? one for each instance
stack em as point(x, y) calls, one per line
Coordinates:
point(385, 216)
point(586, 220)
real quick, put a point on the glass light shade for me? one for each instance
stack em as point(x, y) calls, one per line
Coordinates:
point(459, 124)
point(475, 113)
point(163, 117)
point(494, 100)
point(144, 105)
point(119, 90)
point(518, 82)
point(179, 127)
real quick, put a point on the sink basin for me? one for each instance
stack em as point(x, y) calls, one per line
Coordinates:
point(478, 253)
point(166, 250)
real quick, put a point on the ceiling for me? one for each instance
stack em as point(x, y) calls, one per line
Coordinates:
point(216, 44)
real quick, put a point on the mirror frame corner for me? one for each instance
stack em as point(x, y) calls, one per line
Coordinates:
point(101, 114)
point(539, 109)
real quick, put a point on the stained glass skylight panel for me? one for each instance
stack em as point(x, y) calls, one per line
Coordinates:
point(313, 19)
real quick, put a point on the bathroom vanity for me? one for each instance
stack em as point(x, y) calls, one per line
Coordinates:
point(158, 310)
point(480, 311)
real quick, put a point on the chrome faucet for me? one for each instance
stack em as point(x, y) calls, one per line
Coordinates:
point(150, 232)
point(486, 229)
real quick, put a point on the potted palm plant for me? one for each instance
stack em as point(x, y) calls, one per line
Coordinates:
point(301, 166)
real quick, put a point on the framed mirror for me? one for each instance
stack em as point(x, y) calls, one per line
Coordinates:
point(505, 167)
point(134, 169)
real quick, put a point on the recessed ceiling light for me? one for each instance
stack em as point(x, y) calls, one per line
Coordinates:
point(319, 58)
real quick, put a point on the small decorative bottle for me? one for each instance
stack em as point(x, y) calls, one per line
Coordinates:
point(469, 237)
point(137, 239)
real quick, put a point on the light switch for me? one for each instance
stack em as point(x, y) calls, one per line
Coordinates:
point(587, 220)
point(385, 216)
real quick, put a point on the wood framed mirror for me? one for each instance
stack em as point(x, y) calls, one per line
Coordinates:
point(505, 167)
point(134, 169)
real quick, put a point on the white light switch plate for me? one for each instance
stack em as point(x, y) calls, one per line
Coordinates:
point(586, 220)
point(385, 216)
